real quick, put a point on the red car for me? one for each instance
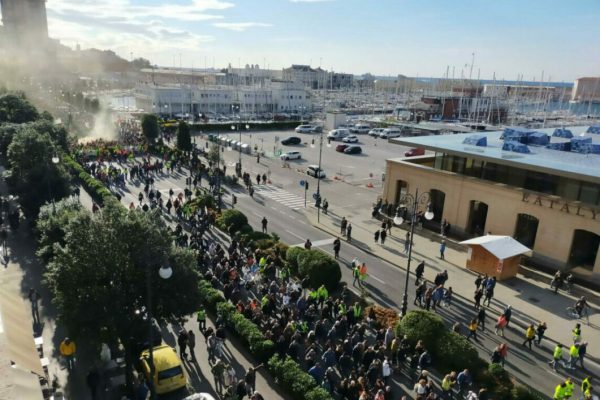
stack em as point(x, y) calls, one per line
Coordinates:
point(341, 147)
point(414, 152)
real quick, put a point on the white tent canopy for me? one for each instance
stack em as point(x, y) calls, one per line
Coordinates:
point(502, 247)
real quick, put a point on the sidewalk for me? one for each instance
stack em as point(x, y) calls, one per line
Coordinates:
point(530, 297)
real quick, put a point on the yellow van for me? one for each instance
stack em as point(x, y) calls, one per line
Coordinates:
point(168, 371)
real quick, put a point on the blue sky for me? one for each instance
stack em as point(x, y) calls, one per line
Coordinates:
point(384, 37)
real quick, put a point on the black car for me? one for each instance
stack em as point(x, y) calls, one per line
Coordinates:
point(353, 150)
point(291, 140)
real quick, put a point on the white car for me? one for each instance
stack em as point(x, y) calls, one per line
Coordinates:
point(389, 133)
point(291, 155)
point(360, 128)
point(350, 139)
point(313, 170)
point(200, 396)
point(376, 132)
point(305, 129)
point(338, 134)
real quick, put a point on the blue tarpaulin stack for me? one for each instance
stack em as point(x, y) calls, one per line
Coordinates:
point(538, 139)
point(562, 133)
point(476, 140)
point(561, 146)
point(594, 129)
point(515, 147)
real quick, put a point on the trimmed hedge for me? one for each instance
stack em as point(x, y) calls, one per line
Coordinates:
point(291, 257)
point(454, 352)
point(421, 325)
point(232, 221)
point(320, 268)
point(93, 186)
point(295, 381)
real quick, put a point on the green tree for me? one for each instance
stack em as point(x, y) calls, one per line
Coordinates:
point(150, 127)
point(184, 140)
point(33, 175)
point(46, 116)
point(214, 154)
point(17, 109)
point(51, 225)
point(98, 277)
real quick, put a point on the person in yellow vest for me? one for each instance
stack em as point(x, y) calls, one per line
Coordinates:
point(448, 384)
point(586, 384)
point(577, 333)
point(569, 386)
point(559, 391)
point(529, 335)
point(556, 356)
point(201, 318)
point(587, 395)
point(323, 294)
point(472, 329)
point(67, 350)
point(357, 312)
point(342, 308)
point(573, 355)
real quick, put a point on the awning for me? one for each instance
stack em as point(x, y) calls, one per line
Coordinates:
point(16, 331)
point(502, 247)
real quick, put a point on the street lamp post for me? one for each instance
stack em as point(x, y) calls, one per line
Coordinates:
point(55, 160)
point(318, 199)
point(164, 272)
point(409, 200)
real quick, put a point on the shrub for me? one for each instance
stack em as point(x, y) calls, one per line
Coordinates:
point(526, 393)
point(291, 256)
point(320, 268)
point(294, 380)
point(318, 393)
point(421, 325)
point(232, 220)
point(210, 296)
point(246, 230)
point(454, 352)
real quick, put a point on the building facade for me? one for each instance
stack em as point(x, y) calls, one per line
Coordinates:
point(548, 199)
point(586, 89)
point(273, 97)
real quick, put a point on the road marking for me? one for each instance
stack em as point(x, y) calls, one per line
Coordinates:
point(257, 214)
point(377, 279)
point(294, 234)
point(318, 243)
point(279, 195)
point(273, 208)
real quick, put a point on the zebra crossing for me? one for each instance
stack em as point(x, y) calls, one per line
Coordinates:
point(281, 196)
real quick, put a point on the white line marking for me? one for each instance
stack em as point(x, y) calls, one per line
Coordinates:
point(377, 279)
point(257, 214)
point(294, 234)
point(273, 208)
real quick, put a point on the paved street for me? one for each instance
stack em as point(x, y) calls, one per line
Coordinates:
point(529, 297)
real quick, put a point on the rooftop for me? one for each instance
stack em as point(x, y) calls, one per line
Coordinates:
point(584, 166)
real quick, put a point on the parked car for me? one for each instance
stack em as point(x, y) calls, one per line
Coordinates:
point(353, 150)
point(376, 132)
point(414, 152)
point(313, 170)
point(340, 148)
point(350, 139)
point(360, 128)
point(304, 129)
point(291, 155)
point(338, 134)
point(389, 133)
point(317, 129)
point(291, 140)
point(168, 371)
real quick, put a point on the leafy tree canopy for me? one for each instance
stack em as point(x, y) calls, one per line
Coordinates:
point(150, 127)
point(98, 277)
point(35, 178)
point(184, 139)
point(17, 109)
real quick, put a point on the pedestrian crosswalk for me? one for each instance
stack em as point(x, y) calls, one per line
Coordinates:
point(280, 195)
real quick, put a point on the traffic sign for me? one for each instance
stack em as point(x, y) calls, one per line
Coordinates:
point(316, 196)
point(302, 182)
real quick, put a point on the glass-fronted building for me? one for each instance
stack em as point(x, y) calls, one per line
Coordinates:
point(542, 187)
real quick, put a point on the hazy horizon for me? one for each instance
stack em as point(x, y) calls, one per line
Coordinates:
point(509, 38)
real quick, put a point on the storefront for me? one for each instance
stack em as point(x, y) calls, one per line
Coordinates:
point(548, 200)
